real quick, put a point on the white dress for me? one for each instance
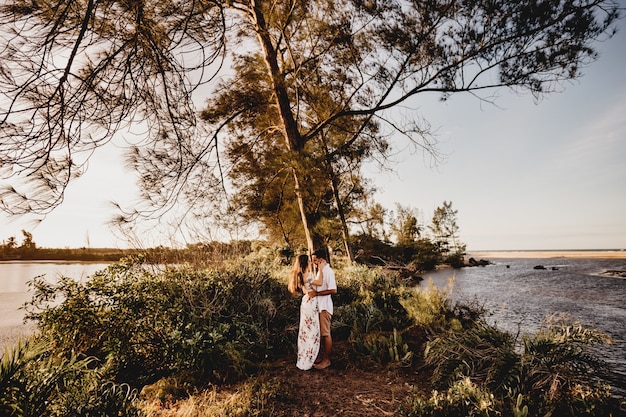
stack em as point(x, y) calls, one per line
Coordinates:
point(309, 332)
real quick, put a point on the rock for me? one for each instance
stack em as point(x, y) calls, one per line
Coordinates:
point(539, 267)
point(474, 262)
point(616, 273)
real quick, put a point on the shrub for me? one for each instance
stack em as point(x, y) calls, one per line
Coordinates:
point(481, 352)
point(369, 300)
point(384, 349)
point(559, 363)
point(370, 313)
point(456, 259)
point(375, 307)
point(218, 324)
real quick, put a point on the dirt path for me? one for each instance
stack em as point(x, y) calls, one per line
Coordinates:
point(343, 390)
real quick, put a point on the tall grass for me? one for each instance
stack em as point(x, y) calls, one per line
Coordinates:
point(35, 383)
point(555, 373)
point(253, 398)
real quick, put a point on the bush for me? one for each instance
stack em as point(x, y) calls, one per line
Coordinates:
point(456, 259)
point(384, 349)
point(216, 324)
point(369, 300)
point(480, 352)
point(558, 362)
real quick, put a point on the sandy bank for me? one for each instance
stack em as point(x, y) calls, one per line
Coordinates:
point(617, 254)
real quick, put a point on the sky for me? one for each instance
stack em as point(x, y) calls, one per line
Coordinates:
point(528, 176)
point(522, 175)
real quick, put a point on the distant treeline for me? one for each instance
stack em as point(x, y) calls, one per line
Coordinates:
point(412, 252)
point(66, 254)
point(198, 253)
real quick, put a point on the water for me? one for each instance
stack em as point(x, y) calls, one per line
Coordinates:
point(520, 297)
point(14, 290)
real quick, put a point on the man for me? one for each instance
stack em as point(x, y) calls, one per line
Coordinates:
point(325, 302)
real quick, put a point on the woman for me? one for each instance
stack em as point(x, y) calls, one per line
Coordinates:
point(300, 281)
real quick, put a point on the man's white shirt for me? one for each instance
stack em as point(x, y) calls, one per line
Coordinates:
point(325, 302)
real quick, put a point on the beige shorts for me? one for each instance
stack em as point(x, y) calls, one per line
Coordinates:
point(325, 323)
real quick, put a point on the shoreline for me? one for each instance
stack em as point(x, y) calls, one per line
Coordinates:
point(545, 254)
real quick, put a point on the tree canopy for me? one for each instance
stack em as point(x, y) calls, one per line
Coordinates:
point(295, 95)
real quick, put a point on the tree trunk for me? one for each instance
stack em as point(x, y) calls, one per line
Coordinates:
point(289, 126)
point(345, 233)
point(305, 223)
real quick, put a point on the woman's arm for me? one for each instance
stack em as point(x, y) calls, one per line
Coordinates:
point(319, 279)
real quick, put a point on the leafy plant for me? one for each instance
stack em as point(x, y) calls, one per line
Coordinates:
point(384, 349)
point(520, 410)
point(558, 362)
point(480, 352)
point(464, 398)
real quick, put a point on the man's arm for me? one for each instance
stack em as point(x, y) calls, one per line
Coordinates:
point(325, 292)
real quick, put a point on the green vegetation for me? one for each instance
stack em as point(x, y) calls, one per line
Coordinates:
point(179, 334)
point(35, 382)
point(553, 371)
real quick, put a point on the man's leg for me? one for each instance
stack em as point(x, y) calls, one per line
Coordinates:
point(328, 347)
point(327, 341)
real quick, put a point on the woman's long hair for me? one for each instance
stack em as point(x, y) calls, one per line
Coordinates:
point(296, 277)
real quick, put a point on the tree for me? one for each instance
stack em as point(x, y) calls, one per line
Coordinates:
point(445, 229)
point(10, 244)
point(28, 243)
point(405, 225)
point(370, 218)
point(328, 79)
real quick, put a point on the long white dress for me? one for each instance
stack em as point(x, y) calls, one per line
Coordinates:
point(309, 332)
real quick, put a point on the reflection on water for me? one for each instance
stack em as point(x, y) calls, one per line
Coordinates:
point(521, 297)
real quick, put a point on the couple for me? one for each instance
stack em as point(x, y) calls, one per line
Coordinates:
point(316, 308)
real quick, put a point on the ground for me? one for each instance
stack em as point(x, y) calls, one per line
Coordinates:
point(345, 390)
point(349, 387)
